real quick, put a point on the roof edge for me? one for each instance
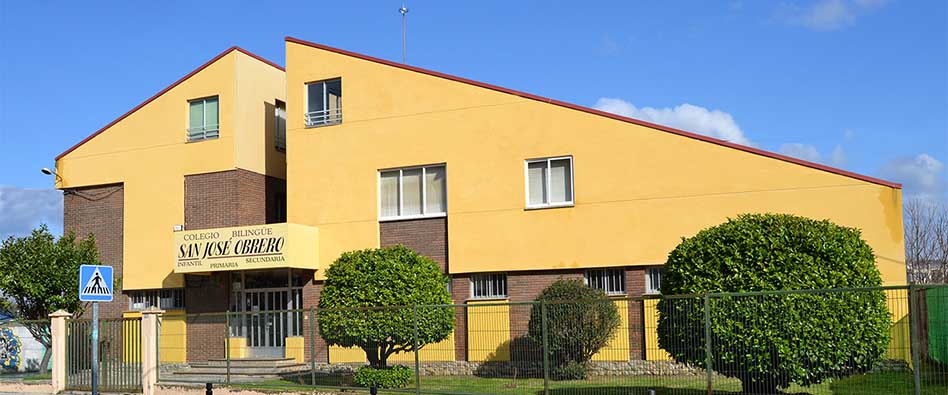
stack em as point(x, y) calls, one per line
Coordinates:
point(168, 88)
point(601, 113)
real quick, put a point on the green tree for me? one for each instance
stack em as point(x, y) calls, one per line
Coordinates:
point(40, 275)
point(580, 320)
point(367, 301)
point(769, 341)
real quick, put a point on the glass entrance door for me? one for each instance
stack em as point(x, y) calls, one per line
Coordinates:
point(266, 316)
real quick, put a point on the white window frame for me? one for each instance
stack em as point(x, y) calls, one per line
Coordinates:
point(328, 119)
point(649, 273)
point(490, 278)
point(606, 272)
point(206, 133)
point(401, 197)
point(526, 183)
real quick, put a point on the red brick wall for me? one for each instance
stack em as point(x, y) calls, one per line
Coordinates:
point(460, 292)
point(634, 287)
point(428, 237)
point(206, 298)
point(311, 292)
point(524, 287)
point(100, 211)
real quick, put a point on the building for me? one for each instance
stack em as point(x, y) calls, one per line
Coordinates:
point(236, 187)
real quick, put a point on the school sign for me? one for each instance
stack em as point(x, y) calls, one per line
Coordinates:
point(268, 246)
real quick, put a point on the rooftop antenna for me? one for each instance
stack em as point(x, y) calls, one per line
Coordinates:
point(404, 11)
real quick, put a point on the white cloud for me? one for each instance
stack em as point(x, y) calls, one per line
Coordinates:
point(825, 15)
point(810, 153)
point(21, 210)
point(688, 117)
point(921, 175)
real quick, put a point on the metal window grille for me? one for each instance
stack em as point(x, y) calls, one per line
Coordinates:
point(610, 281)
point(161, 298)
point(484, 286)
point(653, 280)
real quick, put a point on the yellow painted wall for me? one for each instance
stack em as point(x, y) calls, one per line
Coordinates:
point(132, 337)
point(295, 349)
point(488, 331)
point(441, 351)
point(173, 339)
point(237, 346)
point(900, 341)
point(618, 348)
point(148, 152)
point(637, 190)
point(652, 351)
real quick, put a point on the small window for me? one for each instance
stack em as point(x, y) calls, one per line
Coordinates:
point(324, 103)
point(280, 121)
point(653, 280)
point(610, 281)
point(413, 192)
point(203, 119)
point(489, 286)
point(549, 182)
point(166, 299)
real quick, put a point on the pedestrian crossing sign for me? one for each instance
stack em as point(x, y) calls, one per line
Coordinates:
point(95, 283)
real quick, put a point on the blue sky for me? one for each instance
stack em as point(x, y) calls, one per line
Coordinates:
point(856, 84)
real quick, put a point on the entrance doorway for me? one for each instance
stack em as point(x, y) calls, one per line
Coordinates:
point(269, 309)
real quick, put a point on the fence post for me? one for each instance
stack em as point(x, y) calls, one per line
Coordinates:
point(414, 346)
point(707, 342)
point(227, 347)
point(913, 333)
point(149, 357)
point(546, 348)
point(58, 349)
point(312, 346)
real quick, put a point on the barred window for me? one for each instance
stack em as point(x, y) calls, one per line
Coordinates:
point(489, 286)
point(610, 281)
point(653, 280)
point(166, 299)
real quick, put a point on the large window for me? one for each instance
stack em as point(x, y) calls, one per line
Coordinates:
point(550, 182)
point(165, 299)
point(279, 118)
point(610, 281)
point(324, 103)
point(489, 286)
point(203, 120)
point(412, 192)
point(653, 280)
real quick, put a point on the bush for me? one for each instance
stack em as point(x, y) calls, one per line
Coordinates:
point(367, 297)
point(579, 320)
point(396, 376)
point(769, 341)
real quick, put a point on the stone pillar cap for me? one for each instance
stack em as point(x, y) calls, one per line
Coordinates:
point(153, 310)
point(60, 313)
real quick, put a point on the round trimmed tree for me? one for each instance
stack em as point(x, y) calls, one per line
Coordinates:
point(368, 297)
point(771, 340)
point(580, 320)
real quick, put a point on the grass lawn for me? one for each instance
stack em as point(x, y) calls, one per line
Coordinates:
point(870, 384)
point(37, 376)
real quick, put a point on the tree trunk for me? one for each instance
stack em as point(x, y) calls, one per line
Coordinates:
point(759, 385)
point(372, 354)
point(44, 365)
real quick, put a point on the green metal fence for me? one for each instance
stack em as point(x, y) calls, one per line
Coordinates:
point(119, 346)
point(498, 347)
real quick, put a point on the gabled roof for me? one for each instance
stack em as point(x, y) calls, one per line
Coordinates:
point(168, 88)
point(555, 102)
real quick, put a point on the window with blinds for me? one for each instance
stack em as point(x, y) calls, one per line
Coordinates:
point(549, 182)
point(489, 286)
point(413, 192)
point(610, 281)
point(203, 122)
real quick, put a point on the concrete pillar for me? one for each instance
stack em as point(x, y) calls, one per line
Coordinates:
point(58, 334)
point(150, 363)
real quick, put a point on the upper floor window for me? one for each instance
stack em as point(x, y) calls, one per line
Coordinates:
point(165, 299)
point(324, 103)
point(203, 120)
point(279, 118)
point(610, 281)
point(653, 280)
point(550, 182)
point(413, 192)
point(489, 286)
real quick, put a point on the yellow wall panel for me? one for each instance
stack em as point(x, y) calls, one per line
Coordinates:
point(900, 342)
point(173, 341)
point(237, 347)
point(295, 349)
point(617, 349)
point(441, 351)
point(488, 332)
point(652, 351)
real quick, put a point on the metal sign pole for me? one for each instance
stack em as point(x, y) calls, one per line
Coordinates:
point(95, 348)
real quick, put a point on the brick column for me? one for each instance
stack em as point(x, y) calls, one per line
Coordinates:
point(460, 291)
point(634, 288)
point(58, 335)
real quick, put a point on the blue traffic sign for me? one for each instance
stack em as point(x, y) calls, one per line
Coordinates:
point(95, 283)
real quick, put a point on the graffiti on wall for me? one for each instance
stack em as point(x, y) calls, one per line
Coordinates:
point(10, 349)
